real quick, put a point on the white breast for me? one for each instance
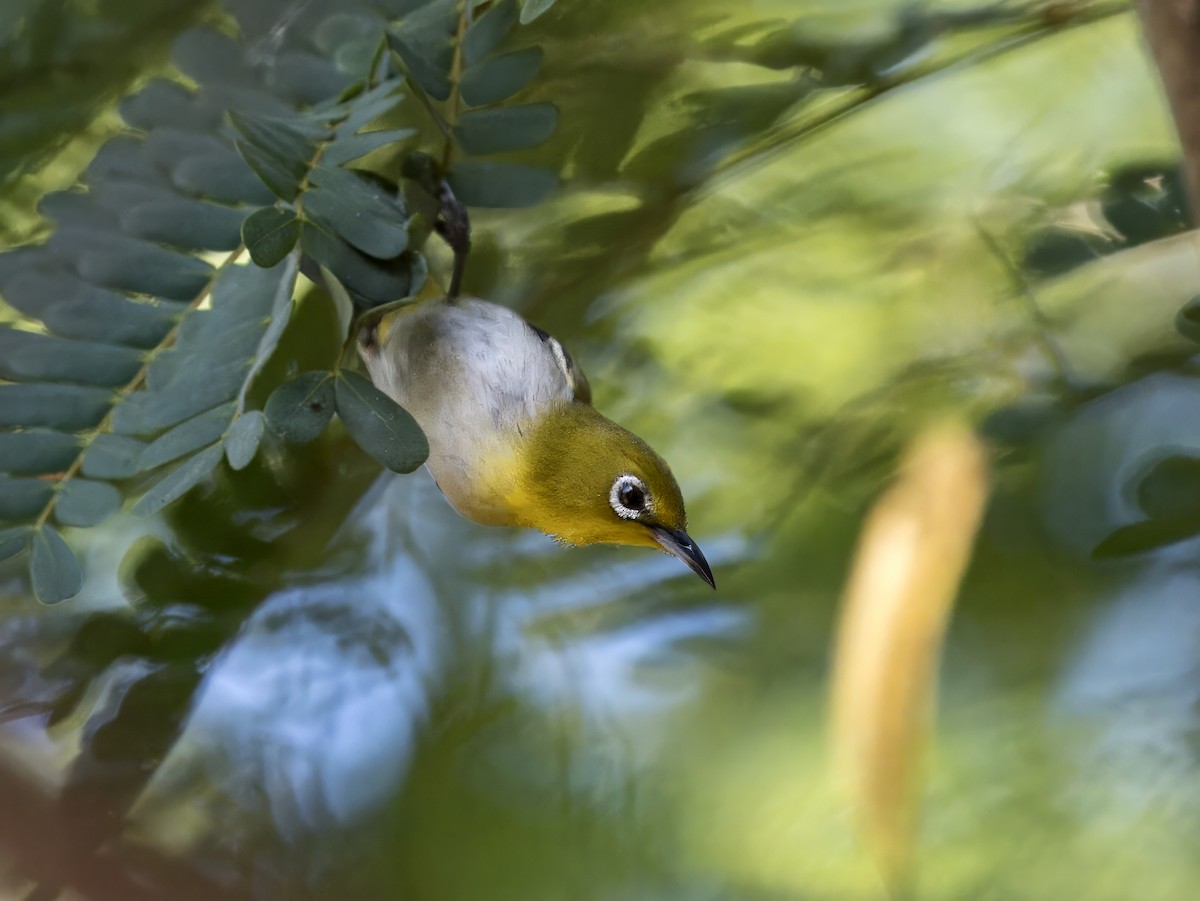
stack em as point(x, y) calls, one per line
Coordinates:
point(473, 375)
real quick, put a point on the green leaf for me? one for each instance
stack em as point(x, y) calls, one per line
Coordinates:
point(283, 181)
point(374, 280)
point(53, 568)
point(345, 150)
point(222, 176)
point(280, 141)
point(23, 498)
point(13, 541)
point(163, 102)
point(82, 502)
point(187, 437)
point(531, 9)
point(270, 234)
point(428, 64)
point(25, 356)
point(37, 451)
point(379, 425)
point(498, 78)
point(501, 184)
point(1187, 320)
point(1148, 535)
point(68, 407)
point(145, 269)
point(74, 309)
point(112, 457)
point(195, 390)
point(366, 107)
point(298, 410)
point(241, 442)
point(508, 128)
point(210, 57)
point(1170, 490)
point(179, 481)
point(351, 218)
point(190, 224)
point(486, 32)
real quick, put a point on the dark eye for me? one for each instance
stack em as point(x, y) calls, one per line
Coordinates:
point(632, 496)
point(629, 497)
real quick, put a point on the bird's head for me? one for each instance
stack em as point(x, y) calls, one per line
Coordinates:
point(585, 480)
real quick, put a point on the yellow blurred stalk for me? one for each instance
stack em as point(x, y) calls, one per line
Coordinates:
point(911, 556)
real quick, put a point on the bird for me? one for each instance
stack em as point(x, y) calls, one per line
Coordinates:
point(514, 439)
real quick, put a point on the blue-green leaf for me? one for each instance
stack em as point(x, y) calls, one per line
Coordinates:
point(486, 32)
point(501, 184)
point(270, 234)
point(69, 407)
point(531, 9)
point(498, 78)
point(179, 481)
point(298, 410)
point(187, 437)
point(378, 424)
point(13, 541)
point(241, 443)
point(26, 356)
point(37, 451)
point(345, 150)
point(53, 568)
point(23, 498)
point(507, 128)
point(82, 502)
point(112, 457)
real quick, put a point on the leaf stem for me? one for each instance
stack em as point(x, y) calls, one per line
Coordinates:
point(456, 68)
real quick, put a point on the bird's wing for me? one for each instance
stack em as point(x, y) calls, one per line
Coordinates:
point(580, 389)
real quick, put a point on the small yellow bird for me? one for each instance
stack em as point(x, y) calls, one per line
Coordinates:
point(513, 437)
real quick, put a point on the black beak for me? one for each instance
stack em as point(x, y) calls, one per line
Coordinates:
point(678, 544)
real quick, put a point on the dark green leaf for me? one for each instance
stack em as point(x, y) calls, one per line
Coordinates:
point(283, 181)
point(486, 32)
point(306, 78)
point(76, 208)
point(344, 28)
point(1171, 489)
point(298, 410)
point(68, 407)
point(508, 128)
point(428, 65)
point(210, 57)
point(241, 444)
point(501, 184)
point(163, 102)
point(75, 309)
point(37, 451)
point(25, 356)
point(358, 222)
point(23, 498)
point(1187, 320)
point(82, 502)
point(376, 281)
point(112, 457)
point(345, 150)
point(145, 269)
point(189, 224)
point(121, 157)
point(367, 107)
point(223, 177)
point(195, 390)
point(281, 313)
point(53, 568)
point(278, 140)
point(183, 439)
point(13, 541)
point(1148, 535)
point(179, 481)
point(531, 9)
point(270, 234)
point(379, 425)
point(500, 77)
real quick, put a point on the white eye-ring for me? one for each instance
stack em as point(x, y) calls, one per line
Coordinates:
point(629, 497)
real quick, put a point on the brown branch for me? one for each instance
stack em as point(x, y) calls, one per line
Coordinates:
point(1172, 29)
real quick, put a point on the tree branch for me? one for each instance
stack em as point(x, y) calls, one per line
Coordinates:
point(1172, 29)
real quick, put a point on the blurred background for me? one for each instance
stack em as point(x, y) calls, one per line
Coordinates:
point(791, 233)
